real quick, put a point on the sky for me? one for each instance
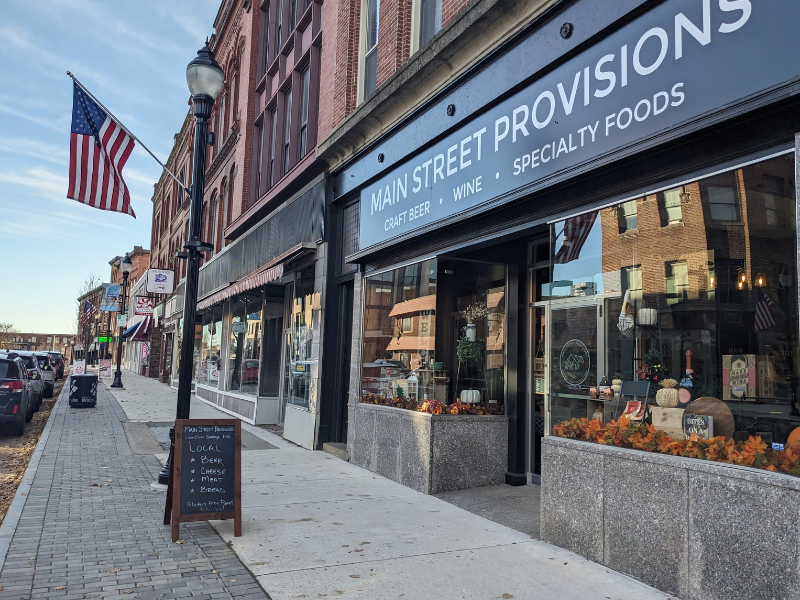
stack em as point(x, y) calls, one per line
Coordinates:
point(132, 55)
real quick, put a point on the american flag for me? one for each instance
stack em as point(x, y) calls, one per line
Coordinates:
point(576, 230)
point(99, 148)
point(764, 306)
point(89, 310)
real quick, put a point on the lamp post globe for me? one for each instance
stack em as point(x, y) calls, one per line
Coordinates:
point(204, 75)
point(205, 79)
point(125, 266)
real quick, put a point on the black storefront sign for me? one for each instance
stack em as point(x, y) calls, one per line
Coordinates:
point(681, 61)
point(205, 482)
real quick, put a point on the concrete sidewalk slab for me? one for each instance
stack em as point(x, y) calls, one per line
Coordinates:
point(315, 526)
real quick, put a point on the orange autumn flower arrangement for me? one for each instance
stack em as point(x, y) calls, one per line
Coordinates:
point(434, 407)
point(624, 433)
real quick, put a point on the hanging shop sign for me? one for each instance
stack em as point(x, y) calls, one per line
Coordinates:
point(110, 301)
point(682, 60)
point(160, 281)
point(144, 306)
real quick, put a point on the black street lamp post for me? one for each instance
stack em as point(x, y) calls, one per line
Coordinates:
point(205, 78)
point(126, 266)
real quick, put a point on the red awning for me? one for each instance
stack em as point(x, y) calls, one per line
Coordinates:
point(142, 334)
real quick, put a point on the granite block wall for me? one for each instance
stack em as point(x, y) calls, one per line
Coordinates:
point(697, 529)
point(428, 453)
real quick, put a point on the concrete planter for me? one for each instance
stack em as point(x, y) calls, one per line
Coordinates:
point(694, 528)
point(429, 453)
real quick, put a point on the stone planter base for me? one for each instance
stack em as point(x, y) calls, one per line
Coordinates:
point(429, 453)
point(695, 528)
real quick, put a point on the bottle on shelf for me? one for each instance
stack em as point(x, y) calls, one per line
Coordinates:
point(686, 391)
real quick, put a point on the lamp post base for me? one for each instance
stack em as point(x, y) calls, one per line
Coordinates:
point(117, 380)
point(163, 476)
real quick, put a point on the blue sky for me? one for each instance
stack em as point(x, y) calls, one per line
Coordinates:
point(132, 55)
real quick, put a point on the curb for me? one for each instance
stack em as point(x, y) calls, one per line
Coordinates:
point(9, 526)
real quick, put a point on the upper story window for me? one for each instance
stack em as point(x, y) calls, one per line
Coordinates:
point(278, 27)
point(265, 40)
point(430, 19)
point(719, 192)
point(627, 216)
point(272, 144)
point(305, 77)
point(220, 121)
point(287, 130)
point(370, 44)
point(260, 142)
point(669, 206)
point(292, 14)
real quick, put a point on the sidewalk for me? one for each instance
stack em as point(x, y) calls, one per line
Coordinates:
point(315, 526)
point(91, 527)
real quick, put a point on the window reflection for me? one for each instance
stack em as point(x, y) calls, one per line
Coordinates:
point(711, 304)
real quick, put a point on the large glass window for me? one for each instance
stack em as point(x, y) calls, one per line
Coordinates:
point(708, 310)
point(301, 361)
point(208, 368)
point(435, 330)
point(404, 298)
point(244, 350)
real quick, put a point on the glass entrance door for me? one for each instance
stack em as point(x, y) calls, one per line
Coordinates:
point(576, 361)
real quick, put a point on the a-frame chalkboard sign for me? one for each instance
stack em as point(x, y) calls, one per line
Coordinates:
point(205, 473)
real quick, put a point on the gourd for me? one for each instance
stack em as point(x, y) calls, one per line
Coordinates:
point(470, 396)
point(616, 386)
point(667, 396)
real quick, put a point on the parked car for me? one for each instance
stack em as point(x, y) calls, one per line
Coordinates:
point(58, 361)
point(35, 374)
point(48, 373)
point(16, 394)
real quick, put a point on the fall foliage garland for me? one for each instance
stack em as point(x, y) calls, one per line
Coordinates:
point(624, 433)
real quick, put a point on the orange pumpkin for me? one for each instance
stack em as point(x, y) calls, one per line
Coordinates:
point(794, 438)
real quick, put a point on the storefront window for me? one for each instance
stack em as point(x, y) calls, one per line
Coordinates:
point(244, 351)
point(436, 330)
point(301, 363)
point(394, 301)
point(705, 314)
point(208, 368)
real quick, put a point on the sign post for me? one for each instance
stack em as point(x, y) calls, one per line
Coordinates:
point(206, 473)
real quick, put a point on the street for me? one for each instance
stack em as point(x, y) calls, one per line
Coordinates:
point(314, 526)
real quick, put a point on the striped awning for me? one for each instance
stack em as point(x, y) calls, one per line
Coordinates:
point(250, 282)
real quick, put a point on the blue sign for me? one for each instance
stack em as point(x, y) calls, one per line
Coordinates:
point(110, 302)
point(682, 60)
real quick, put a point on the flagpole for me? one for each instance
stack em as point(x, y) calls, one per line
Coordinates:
point(163, 166)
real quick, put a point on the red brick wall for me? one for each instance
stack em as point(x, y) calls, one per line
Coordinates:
point(339, 63)
point(450, 8)
point(339, 93)
point(394, 37)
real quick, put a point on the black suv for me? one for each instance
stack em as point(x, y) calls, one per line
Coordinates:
point(16, 393)
point(34, 372)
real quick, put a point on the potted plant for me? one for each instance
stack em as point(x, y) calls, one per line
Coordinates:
point(471, 315)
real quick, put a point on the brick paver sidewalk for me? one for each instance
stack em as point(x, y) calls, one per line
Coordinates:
point(92, 527)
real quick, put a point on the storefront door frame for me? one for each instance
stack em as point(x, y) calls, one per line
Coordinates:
point(549, 307)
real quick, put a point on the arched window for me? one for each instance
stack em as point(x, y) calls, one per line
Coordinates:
point(213, 216)
point(220, 116)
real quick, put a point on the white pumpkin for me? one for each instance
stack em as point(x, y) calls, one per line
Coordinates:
point(470, 396)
